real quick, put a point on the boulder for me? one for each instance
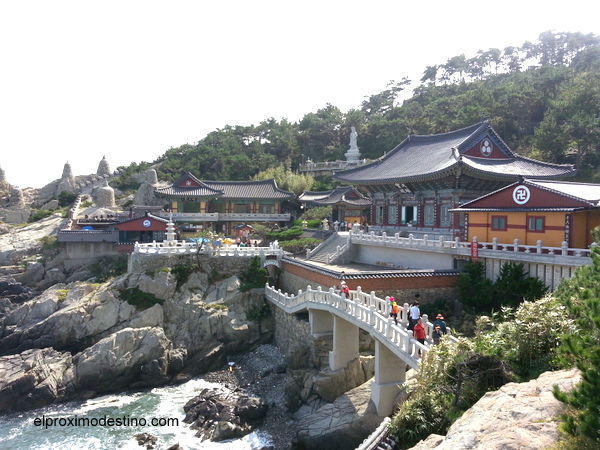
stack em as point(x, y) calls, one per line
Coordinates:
point(77, 325)
point(220, 414)
point(24, 241)
point(345, 423)
point(35, 378)
point(125, 357)
point(518, 415)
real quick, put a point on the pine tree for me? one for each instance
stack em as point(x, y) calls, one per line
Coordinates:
point(581, 296)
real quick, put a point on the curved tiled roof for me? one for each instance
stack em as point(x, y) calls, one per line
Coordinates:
point(586, 194)
point(199, 191)
point(516, 167)
point(434, 156)
point(264, 189)
point(342, 195)
point(311, 196)
point(190, 186)
point(195, 188)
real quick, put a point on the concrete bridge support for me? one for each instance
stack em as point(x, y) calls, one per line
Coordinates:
point(345, 343)
point(321, 322)
point(390, 373)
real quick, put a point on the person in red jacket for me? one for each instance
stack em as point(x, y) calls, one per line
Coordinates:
point(419, 332)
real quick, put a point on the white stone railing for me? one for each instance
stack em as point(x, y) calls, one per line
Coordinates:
point(370, 311)
point(494, 249)
point(221, 217)
point(331, 165)
point(184, 247)
point(329, 257)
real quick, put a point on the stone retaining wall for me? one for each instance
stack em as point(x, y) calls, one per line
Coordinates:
point(141, 263)
point(294, 339)
point(429, 287)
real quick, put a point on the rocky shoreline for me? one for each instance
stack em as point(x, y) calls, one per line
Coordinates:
point(263, 373)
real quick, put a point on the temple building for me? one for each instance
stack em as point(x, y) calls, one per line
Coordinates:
point(417, 186)
point(221, 205)
point(347, 203)
point(552, 212)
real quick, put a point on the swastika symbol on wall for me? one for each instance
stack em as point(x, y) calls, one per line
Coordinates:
point(521, 195)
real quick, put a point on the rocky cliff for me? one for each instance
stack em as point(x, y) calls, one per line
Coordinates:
point(83, 339)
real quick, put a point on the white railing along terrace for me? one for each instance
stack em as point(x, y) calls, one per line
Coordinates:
point(365, 310)
point(220, 217)
point(184, 247)
point(491, 249)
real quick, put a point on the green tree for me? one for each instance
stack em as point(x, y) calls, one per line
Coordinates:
point(514, 285)
point(254, 276)
point(570, 131)
point(66, 198)
point(286, 179)
point(580, 294)
point(320, 134)
point(474, 289)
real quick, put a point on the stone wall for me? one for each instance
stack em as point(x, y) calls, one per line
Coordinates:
point(294, 339)
point(141, 263)
point(430, 287)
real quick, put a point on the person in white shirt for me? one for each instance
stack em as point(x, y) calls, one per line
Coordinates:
point(414, 315)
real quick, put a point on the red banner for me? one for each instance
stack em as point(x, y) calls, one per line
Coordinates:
point(474, 250)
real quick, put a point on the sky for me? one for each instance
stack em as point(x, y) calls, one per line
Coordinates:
point(130, 79)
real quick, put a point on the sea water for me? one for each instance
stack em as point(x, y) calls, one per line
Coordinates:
point(85, 425)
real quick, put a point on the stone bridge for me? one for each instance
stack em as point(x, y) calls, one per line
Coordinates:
point(332, 313)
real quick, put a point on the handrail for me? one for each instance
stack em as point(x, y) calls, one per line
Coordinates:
point(367, 309)
point(462, 247)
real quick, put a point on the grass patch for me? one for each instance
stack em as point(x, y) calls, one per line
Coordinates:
point(62, 295)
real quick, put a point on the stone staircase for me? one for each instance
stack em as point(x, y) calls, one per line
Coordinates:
point(328, 247)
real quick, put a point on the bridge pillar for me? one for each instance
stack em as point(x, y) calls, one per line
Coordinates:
point(390, 373)
point(321, 322)
point(345, 343)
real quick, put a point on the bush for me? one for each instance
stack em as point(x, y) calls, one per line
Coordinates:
point(474, 289)
point(312, 223)
point(527, 337)
point(182, 272)
point(514, 285)
point(254, 276)
point(298, 245)
point(49, 243)
point(39, 215)
point(580, 296)
point(66, 198)
point(140, 299)
point(511, 288)
point(108, 267)
point(319, 213)
point(285, 235)
point(259, 313)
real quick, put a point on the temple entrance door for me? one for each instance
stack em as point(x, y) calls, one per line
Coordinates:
point(409, 215)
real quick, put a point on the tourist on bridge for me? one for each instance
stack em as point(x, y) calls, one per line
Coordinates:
point(419, 332)
point(414, 314)
point(395, 311)
point(345, 289)
point(439, 322)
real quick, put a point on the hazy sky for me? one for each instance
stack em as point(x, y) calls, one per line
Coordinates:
point(130, 79)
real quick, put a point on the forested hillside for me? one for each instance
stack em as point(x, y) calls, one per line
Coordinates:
point(543, 98)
